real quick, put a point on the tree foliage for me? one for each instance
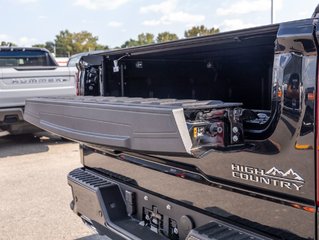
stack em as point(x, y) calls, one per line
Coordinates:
point(7, 44)
point(129, 43)
point(145, 38)
point(201, 30)
point(148, 38)
point(166, 36)
point(142, 39)
point(48, 45)
point(68, 43)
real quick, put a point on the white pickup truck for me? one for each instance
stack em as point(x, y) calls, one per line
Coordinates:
point(25, 73)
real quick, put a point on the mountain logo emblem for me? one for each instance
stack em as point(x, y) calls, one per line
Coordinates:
point(290, 174)
point(274, 177)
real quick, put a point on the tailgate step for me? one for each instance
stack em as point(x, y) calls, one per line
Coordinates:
point(217, 231)
point(104, 206)
point(164, 126)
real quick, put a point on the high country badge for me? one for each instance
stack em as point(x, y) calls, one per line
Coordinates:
point(274, 176)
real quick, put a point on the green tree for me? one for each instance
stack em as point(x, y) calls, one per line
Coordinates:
point(39, 45)
point(142, 39)
point(145, 38)
point(48, 45)
point(166, 36)
point(68, 43)
point(64, 43)
point(197, 31)
point(7, 44)
point(129, 43)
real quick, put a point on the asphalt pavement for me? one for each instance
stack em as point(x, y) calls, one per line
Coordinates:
point(34, 194)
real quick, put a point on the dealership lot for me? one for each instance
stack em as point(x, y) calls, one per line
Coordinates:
point(35, 197)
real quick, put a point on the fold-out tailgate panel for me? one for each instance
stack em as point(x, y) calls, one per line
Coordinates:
point(140, 127)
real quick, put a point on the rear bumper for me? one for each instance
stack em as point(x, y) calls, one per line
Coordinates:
point(121, 210)
point(15, 112)
point(12, 120)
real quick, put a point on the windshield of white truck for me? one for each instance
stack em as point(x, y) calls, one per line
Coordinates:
point(25, 59)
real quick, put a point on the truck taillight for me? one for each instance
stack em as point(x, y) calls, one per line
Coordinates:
point(77, 83)
point(317, 138)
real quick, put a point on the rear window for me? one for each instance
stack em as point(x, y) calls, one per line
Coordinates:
point(26, 58)
point(73, 61)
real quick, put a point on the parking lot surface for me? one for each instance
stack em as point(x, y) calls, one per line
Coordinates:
point(35, 196)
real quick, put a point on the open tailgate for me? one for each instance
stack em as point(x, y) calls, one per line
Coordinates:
point(152, 125)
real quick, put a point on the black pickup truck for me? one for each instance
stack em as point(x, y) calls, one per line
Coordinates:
point(212, 137)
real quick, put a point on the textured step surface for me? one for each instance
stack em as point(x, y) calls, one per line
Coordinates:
point(218, 231)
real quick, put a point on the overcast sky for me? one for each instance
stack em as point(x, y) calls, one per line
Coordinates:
point(26, 22)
